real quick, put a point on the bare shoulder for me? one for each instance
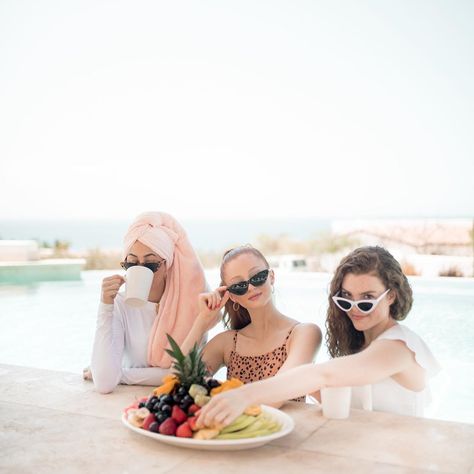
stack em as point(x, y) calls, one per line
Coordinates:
point(223, 339)
point(305, 339)
point(306, 330)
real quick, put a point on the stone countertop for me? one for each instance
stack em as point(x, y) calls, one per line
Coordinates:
point(55, 422)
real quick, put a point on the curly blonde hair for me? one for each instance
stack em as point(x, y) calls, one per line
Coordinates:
point(342, 338)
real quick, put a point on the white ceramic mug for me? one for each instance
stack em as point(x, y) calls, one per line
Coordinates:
point(138, 280)
point(336, 402)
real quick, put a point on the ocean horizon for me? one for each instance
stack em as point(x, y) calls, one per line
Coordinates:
point(205, 234)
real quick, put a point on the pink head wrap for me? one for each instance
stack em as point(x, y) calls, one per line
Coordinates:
point(185, 280)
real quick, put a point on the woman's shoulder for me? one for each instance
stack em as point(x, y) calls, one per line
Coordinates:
point(306, 333)
point(415, 344)
point(305, 328)
point(223, 337)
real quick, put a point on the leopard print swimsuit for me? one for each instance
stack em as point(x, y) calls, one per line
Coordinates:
point(252, 368)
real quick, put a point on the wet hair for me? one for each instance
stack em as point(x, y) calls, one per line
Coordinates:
point(342, 338)
point(238, 319)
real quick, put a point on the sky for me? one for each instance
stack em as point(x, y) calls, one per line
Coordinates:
point(247, 109)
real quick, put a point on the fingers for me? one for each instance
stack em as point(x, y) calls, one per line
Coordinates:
point(224, 299)
point(110, 287)
point(218, 411)
point(113, 279)
point(214, 300)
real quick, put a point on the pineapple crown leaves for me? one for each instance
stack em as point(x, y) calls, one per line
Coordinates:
point(190, 368)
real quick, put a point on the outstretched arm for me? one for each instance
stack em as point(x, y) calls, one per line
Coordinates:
point(302, 347)
point(380, 360)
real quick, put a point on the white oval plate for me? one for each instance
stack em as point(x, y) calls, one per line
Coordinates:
point(287, 425)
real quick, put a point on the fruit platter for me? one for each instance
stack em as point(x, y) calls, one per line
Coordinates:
point(170, 412)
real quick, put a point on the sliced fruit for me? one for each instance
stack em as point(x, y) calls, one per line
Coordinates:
point(206, 433)
point(201, 400)
point(137, 416)
point(133, 406)
point(227, 385)
point(253, 410)
point(240, 423)
point(170, 381)
point(195, 389)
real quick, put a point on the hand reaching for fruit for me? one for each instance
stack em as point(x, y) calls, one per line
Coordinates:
point(223, 408)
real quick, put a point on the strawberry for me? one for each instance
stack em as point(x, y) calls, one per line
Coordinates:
point(178, 415)
point(193, 409)
point(168, 427)
point(184, 431)
point(148, 421)
point(192, 422)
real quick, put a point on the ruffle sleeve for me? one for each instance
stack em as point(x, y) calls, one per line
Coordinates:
point(423, 355)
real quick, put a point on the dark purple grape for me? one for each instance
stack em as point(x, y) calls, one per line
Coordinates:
point(182, 391)
point(177, 399)
point(168, 399)
point(188, 400)
point(141, 404)
point(151, 402)
point(154, 427)
point(213, 383)
point(184, 406)
point(160, 416)
point(156, 407)
point(165, 409)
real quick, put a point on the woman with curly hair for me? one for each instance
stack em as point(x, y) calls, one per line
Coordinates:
point(369, 295)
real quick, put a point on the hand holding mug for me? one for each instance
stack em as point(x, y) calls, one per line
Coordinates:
point(110, 287)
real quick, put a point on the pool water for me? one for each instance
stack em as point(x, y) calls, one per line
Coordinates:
point(51, 325)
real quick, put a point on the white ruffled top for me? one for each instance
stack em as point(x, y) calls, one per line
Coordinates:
point(388, 395)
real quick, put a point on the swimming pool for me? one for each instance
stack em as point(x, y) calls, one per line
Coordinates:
point(51, 325)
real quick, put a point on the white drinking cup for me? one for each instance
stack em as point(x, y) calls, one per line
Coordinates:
point(138, 280)
point(336, 402)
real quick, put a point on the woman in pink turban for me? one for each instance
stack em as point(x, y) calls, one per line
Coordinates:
point(129, 345)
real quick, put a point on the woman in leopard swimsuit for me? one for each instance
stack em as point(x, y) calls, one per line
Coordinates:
point(261, 341)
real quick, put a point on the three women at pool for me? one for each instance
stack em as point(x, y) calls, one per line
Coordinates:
point(268, 350)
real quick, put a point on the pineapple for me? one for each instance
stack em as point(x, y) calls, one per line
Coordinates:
point(189, 369)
